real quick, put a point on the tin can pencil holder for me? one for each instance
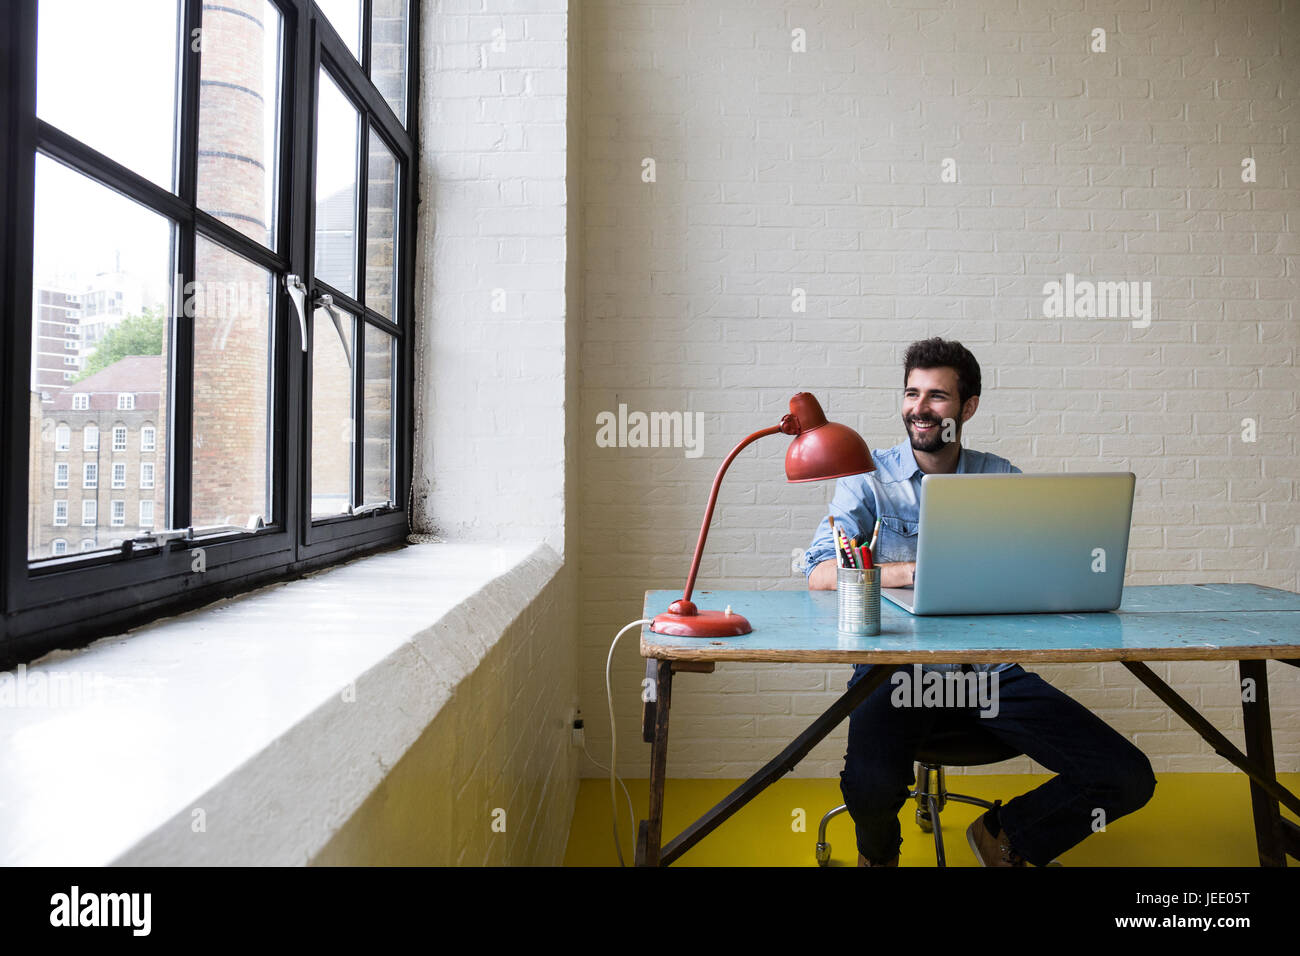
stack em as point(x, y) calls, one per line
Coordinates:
point(859, 592)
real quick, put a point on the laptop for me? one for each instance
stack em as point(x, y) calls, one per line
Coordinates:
point(1020, 544)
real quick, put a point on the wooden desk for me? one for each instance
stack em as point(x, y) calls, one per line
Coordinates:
point(1193, 622)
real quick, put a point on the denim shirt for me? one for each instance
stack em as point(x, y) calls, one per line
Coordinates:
point(892, 492)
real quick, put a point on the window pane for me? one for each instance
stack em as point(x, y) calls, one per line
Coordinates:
point(103, 264)
point(345, 17)
point(331, 413)
point(388, 32)
point(109, 78)
point(381, 227)
point(238, 116)
point(377, 438)
point(233, 331)
point(337, 140)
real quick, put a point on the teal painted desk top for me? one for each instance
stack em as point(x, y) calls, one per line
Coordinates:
point(1158, 622)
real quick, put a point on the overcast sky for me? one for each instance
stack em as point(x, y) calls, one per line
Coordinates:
point(109, 78)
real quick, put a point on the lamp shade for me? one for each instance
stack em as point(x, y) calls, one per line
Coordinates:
point(823, 450)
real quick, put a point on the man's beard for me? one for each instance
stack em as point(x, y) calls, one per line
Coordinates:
point(933, 439)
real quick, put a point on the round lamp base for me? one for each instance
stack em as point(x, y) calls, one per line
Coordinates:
point(701, 624)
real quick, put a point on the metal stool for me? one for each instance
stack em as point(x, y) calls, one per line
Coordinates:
point(952, 746)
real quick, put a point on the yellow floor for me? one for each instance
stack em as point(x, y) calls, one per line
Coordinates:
point(1194, 819)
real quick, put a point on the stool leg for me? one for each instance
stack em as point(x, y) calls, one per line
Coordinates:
point(824, 848)
point(922, 794)
point(938, 832)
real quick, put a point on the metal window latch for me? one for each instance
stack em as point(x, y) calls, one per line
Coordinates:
point(159, 538)
point(253, 524)
point(298, 293)
point(326, 301)
point(367, 508)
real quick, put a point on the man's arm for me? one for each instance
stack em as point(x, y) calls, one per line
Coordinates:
point(894, 574)
point(852, 511)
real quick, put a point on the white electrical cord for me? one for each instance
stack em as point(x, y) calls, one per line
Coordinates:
point(613, 744)
point(630, 812)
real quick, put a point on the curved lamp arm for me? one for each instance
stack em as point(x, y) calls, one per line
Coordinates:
point(679, 607)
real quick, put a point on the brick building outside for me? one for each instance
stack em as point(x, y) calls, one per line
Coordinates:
point(102, 453)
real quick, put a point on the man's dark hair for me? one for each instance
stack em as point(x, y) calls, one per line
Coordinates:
point(940, 353)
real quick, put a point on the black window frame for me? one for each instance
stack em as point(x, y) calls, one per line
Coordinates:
point(48, 603)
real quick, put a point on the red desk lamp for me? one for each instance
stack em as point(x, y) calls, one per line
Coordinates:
point(820, 451)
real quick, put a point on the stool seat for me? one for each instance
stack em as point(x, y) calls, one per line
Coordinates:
point(963, 744)
point(955, 739)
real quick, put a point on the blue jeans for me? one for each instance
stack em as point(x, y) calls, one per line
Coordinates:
point(1095, 767)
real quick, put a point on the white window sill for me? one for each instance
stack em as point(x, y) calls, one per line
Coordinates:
point(238, 714)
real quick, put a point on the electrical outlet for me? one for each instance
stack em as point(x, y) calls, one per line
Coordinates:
point(579, 735)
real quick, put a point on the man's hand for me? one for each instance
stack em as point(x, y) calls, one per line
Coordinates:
point(899, 574)
point(896, 574)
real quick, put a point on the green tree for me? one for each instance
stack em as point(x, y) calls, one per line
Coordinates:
point(134, 335)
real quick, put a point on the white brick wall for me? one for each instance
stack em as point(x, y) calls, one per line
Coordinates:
point(821, 170)
point(496, 320)
point(491, 289)
point(498, 753)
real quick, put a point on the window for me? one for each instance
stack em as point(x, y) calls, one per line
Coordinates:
point(87, 544)
point(61, 475)
point(117, 514)
point(146, 514)
point(253, 177)
point(59, 546)
point(119, 474)
point(89, 510)
point(62, 438)
point(60, 512)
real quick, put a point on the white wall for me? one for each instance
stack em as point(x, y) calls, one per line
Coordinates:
point(822, 170)
point(491, 290)
point(498, 323)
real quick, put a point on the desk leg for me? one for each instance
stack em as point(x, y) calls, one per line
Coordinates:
point(1259, 748)
point(779, 765)
point(1262, 779)
point(650, 832)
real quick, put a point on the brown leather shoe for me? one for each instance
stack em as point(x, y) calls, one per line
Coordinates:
point(863, 861)
point(991, 850)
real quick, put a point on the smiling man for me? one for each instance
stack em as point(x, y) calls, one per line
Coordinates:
point(1101, 776)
